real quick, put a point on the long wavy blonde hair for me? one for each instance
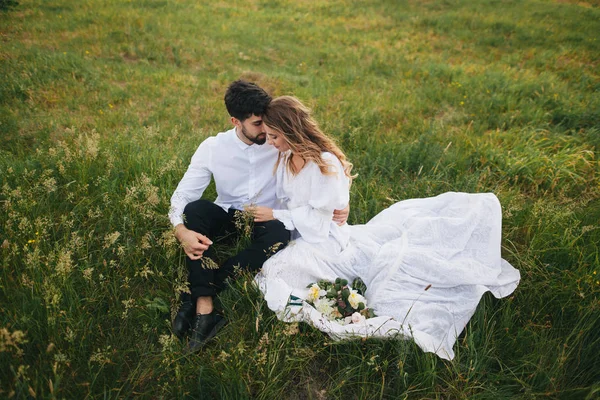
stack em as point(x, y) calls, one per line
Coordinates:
point(288, 116)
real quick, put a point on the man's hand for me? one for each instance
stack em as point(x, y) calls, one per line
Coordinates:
point(193, 243)
point(260, 213)
point(341, 216)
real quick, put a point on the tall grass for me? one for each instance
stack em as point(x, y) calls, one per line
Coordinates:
point(102, 104)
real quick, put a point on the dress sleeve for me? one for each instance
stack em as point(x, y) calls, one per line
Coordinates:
point(194, 182)
point(327, 193)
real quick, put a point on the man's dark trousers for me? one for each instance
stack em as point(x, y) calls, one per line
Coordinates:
point(205, 217)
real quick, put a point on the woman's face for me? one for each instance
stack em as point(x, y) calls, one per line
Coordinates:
point(276, 139)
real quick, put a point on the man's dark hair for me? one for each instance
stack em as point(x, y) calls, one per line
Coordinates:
point(244, 98)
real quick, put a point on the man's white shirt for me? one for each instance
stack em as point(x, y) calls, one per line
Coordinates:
point(243, 175)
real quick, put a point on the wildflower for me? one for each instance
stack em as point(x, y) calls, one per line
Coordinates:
point(240, 348)
point(243, 221)
point(223, 357)
point(10, 340)
point(273, 249)
point(60, 358)
point(125, 284)
point(69, 335)
point(167, 342)
point(101, 357)
point(261, 349)
point(22, 372)
point(209, 263)
point(182, 287)
point(95, 213)
point(147, 241)
point(145, 272)
point(291, 329)
point(64, 264)
point(167, 167)
point(26, 281)
point(110, 239)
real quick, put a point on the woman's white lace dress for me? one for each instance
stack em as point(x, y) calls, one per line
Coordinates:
point(426, 262)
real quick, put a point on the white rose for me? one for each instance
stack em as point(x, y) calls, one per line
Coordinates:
point(358, 318)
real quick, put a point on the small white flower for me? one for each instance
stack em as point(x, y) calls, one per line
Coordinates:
point(325, 307)
point(357, 318)
point(354, 299)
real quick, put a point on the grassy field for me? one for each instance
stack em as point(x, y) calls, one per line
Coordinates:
point(103, 102)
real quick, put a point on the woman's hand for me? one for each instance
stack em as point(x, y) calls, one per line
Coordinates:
point(260, 213)
point(341, 216)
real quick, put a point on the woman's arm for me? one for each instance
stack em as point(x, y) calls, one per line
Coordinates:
point(313, 220)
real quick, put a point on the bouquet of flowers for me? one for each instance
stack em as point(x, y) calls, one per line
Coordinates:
point(340, 302)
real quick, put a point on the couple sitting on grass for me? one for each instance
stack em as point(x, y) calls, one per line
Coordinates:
point(426, 262)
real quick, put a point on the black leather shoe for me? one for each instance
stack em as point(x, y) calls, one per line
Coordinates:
point(183, 319)
point(205, 328)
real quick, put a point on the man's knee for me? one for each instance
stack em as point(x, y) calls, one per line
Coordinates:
point(197, 208)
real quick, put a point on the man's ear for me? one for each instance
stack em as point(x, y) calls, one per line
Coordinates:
point(236, 122)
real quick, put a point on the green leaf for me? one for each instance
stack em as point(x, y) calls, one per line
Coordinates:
point(359, 286)
point(345, 294)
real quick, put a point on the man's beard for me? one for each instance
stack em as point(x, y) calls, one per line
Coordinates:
point(256, 139)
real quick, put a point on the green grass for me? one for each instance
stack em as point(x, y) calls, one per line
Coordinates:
point(102, 104)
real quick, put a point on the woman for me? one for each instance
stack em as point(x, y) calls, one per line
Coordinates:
point(426, 262)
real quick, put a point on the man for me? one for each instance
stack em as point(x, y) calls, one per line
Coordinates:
point(243, 171)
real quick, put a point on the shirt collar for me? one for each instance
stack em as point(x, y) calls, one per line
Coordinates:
point(242, 145)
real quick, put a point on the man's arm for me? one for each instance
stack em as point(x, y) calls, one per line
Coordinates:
point(190, 188)
point(192, 185)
